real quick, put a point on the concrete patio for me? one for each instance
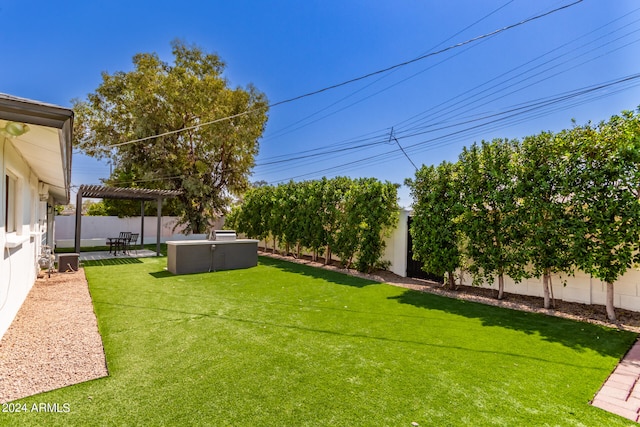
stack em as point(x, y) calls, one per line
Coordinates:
point(105, 255)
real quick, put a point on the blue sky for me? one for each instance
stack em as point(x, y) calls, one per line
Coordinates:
point(534, 77)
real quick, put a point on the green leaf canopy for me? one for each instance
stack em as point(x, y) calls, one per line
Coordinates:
point(211, 155)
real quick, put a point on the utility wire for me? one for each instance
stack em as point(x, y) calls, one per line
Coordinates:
point(538, 104)
point(414, 123)
point(287, 129)
point(420, 58)
point(467, 101)
point(400, 146)
point(347, 82)
point(518, 109)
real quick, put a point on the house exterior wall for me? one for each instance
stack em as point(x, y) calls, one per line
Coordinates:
point(21, 248)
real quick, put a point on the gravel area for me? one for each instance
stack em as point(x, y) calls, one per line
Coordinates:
point(627, 320)
point(54, 340)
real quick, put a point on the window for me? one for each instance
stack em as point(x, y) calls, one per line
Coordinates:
point(10, 204)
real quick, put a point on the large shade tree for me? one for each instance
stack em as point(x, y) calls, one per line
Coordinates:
point(210, 156)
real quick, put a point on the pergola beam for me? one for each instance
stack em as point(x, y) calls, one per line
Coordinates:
point(103, 192)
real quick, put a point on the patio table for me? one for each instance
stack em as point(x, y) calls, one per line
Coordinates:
point(119, 242)
point(115, 243)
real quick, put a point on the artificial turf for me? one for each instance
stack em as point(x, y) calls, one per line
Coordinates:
point(283, 344)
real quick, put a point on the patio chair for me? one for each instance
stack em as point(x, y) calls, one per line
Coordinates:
point(123, 240)
point(132, 240)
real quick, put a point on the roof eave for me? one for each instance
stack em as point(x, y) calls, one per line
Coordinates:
point(37, 113)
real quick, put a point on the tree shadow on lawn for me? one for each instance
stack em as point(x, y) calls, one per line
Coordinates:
point(317, 273)
point(191, 315)
point(570, 333)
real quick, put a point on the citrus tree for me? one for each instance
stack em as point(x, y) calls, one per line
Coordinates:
point(605, 176)
point(490, 219)
point(437, 206)
point(543, 213)
point(351, 217)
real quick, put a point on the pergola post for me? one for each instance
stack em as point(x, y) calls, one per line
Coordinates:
point(78, 220)
point(142, 194)
point(159, 226)
point(142, 224)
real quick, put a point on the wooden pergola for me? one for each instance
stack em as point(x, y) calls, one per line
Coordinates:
point(142, 194)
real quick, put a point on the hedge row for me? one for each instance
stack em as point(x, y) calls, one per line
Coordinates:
point(347, 217)
point(551, 203)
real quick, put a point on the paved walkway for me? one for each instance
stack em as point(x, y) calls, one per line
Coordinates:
point(620, 394)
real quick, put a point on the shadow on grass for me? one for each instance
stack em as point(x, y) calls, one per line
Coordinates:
point(569, 333)
point(192, 315)
point(111, 261)
point(317, 273)
point(162, 274)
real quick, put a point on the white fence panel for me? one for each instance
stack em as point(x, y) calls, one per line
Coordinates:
point(96, 229)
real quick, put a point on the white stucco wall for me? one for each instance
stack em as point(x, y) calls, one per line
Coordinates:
point(396, 246)
point(579, 288)
point(18, 264)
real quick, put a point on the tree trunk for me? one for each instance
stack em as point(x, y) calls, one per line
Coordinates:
point(298, 250)
point(452, 281)
point(553, 299)
point(501, 286)
point(611, 312)
point(327, 256)
point(545, 288)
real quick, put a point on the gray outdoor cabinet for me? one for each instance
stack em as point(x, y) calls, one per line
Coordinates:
point(199, 256)
point(68, 262)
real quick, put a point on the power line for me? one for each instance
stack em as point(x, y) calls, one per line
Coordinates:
point(285, 130)
point(467, 100)
point(518, 109)
point(495, 118)
point(400, 146)
point(428, 55)
point(347, 82)
point(380, 138)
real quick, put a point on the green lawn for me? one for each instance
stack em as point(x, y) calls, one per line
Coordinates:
point(288, 345)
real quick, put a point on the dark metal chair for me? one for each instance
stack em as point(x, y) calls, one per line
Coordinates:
point(115, 244)
point(132, 240)
point(119, 242)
